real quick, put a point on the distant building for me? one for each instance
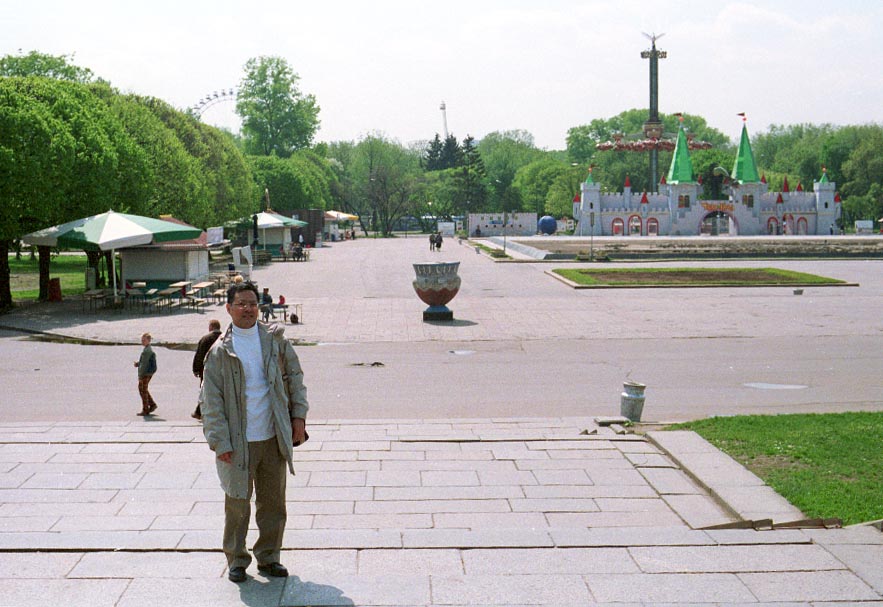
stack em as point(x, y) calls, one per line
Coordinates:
point(677, 211)
point(499, 224)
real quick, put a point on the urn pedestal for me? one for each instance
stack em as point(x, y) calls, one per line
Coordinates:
point(436, 284)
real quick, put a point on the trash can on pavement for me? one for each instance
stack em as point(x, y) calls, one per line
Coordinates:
point(54, 289)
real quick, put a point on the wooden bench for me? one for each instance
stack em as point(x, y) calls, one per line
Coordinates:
point(197, 303)
point(296, 308)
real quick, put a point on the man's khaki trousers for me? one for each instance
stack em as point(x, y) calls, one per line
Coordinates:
point(266, 476)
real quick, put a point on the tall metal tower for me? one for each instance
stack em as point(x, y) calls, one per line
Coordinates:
point(444, 118)
point(653, 128)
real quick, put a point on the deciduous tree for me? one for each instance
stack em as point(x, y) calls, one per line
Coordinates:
point(277, 118)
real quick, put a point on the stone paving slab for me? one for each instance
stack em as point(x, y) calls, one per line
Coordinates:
point(449, 519)
point(725, 479)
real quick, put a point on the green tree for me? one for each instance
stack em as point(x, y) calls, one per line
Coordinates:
point(388, 177)
point(37, 152)
point(57, 67)
point(431, 160)
point(344, 188)
point(534, 180)
point(472, 178)
point(286, 185)
point(173, 181)
point(566, 185)
point(277, 118)
point(87, 178)
point(451, 153)
point(704, 163)
point(503, 153)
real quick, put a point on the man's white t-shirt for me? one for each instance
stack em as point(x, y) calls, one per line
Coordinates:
point(259, 420)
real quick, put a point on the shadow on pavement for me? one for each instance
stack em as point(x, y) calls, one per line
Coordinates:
point(299, 593)
point(451, 323)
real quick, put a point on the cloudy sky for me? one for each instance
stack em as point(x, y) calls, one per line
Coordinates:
point(542, 66)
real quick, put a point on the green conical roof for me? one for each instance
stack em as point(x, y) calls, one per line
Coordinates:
point(824, 178)
point(745, 171)
point(681, 170)
point(589, 179)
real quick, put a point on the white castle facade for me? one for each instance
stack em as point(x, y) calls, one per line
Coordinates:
point(750, 209)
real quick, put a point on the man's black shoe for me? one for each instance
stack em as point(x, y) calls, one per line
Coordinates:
point(274, 570)
point(237, 574)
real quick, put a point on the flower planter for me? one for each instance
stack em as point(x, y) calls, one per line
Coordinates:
point(436, 284)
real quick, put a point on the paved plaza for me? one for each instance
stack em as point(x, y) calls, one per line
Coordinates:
point(468, 469)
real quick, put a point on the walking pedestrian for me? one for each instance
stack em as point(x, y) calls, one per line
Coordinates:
point(202, 348)
point(146, 366)
point(254, 407)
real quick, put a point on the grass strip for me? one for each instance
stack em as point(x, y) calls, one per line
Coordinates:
point(24, 275)
point(705, 277)
point(828, 465)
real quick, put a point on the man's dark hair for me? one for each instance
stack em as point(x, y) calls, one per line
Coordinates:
point(239, 287)
point(214, 325)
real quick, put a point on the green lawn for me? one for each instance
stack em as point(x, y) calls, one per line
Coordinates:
point(24, 275)
point(828, 465)
point(692, 277)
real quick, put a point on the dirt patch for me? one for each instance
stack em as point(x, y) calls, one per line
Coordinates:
point(765, 465)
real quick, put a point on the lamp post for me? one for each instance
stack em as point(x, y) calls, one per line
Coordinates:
point(372, 181)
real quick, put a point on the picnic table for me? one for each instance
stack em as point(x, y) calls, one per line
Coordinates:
point(164, 297)
point(199, 287)
point(92, 297)
point(134, 296)
point(181, 284)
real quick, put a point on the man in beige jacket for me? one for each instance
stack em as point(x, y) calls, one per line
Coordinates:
point(254, 408)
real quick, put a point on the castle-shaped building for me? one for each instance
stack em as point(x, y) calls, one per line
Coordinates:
point(677, 211)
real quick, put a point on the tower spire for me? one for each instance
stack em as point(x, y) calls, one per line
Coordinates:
point(745, 169)
point(681, 169)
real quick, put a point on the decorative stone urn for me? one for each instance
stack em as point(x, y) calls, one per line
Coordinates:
point(436, 284)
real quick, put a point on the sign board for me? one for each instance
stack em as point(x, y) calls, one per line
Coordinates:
point(215, 235)
point(864, 226)
point(447, 228)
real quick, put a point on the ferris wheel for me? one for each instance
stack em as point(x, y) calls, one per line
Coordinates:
point(213, 99)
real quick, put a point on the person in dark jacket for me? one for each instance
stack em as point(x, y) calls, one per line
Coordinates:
point(267, 305)
point(202, 348)
point(146, 366)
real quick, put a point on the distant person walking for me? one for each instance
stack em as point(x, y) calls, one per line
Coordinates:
point(146, 366)
point(438, 241)
point(202, 348)
point(432, 242)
